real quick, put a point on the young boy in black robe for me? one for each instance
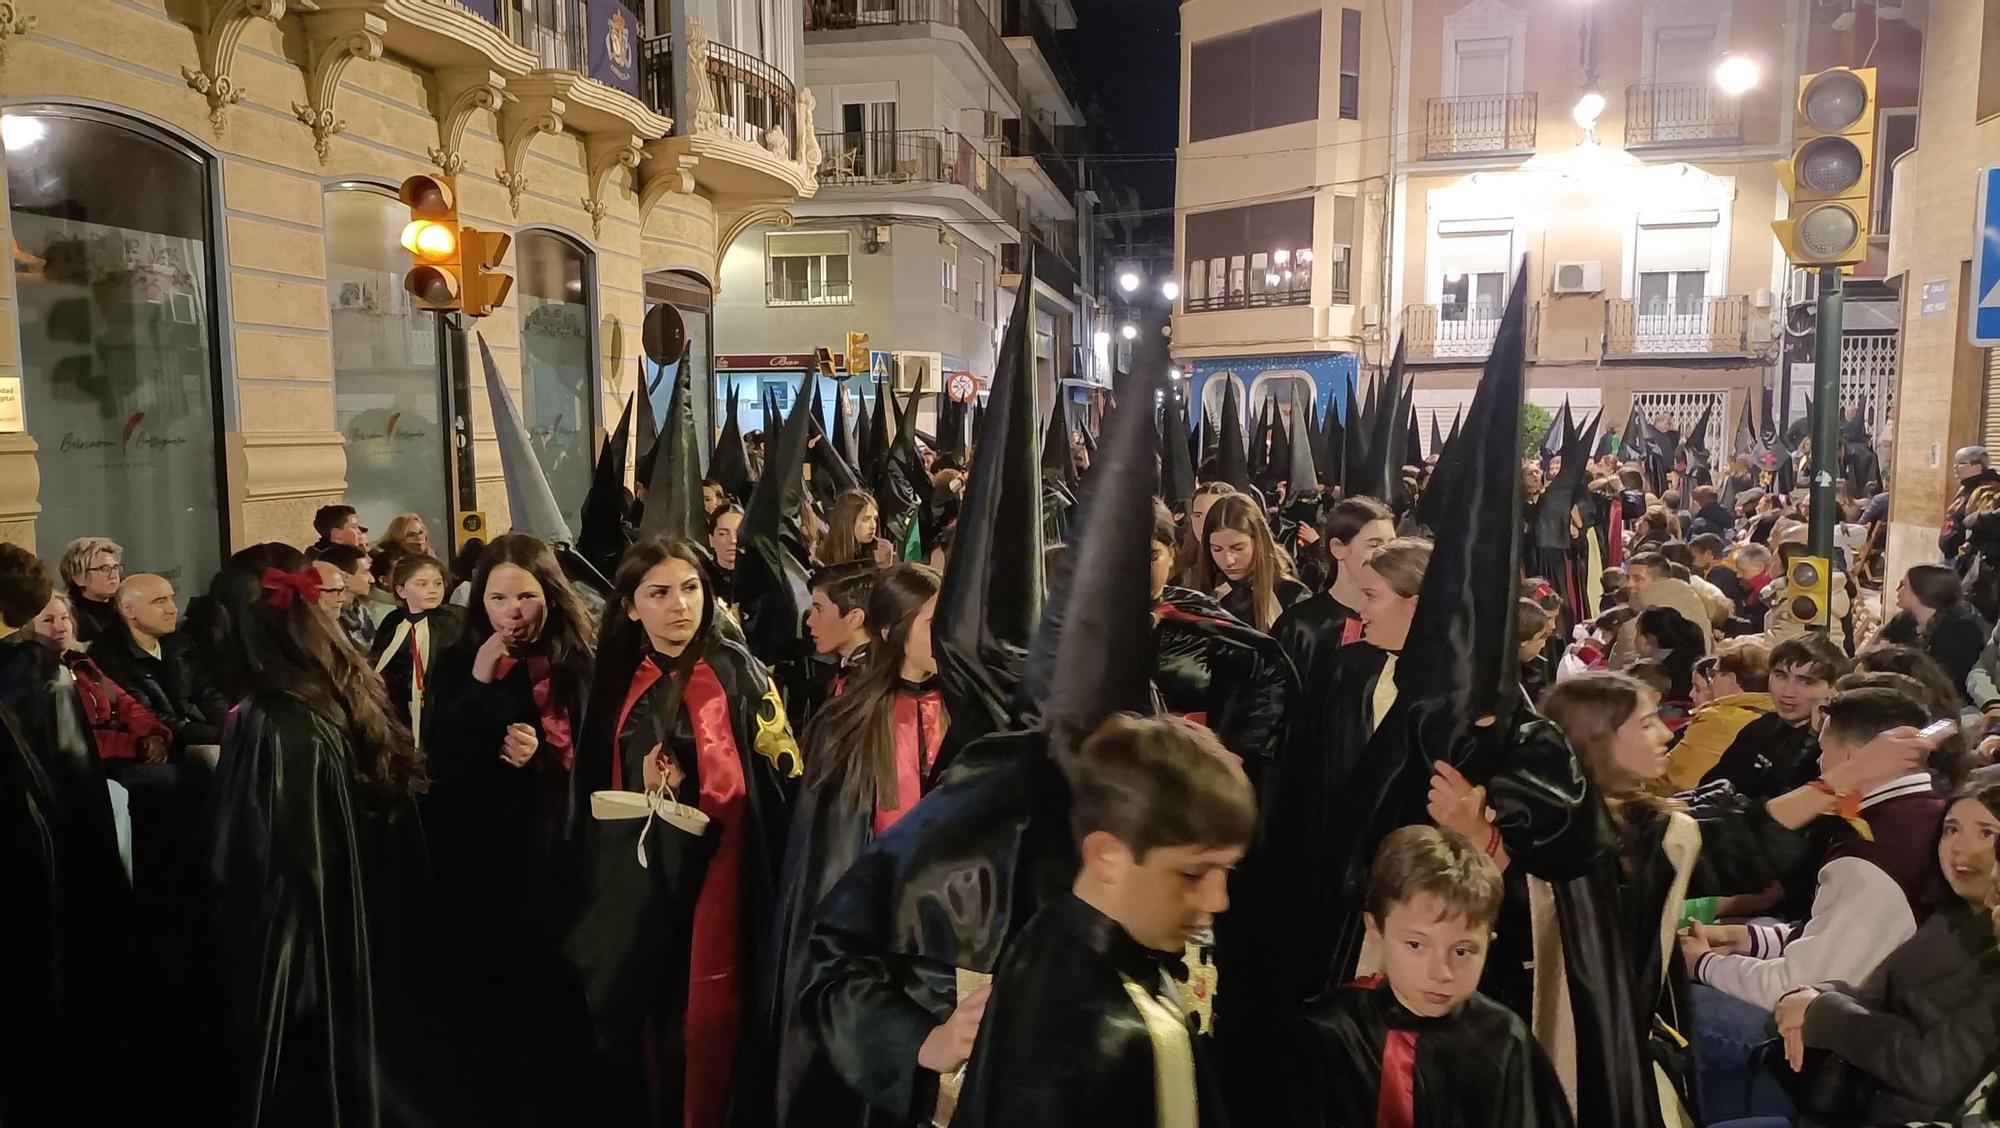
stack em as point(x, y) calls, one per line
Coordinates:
point(1084, 1025)
point(1418, 1046)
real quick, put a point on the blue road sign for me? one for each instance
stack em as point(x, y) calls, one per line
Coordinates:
point(1983, 326)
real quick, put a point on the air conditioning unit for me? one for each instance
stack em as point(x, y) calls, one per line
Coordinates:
point(1579, 278)
point(990, 124)
point(913, 367)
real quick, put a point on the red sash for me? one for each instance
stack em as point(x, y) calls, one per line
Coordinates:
point(919, 732)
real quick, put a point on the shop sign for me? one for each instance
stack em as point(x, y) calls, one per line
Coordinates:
point(773, 362)
point(13, 408)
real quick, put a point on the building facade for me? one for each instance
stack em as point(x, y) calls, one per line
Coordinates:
point(1949, 390)
point(948, 134)
point(205, 321)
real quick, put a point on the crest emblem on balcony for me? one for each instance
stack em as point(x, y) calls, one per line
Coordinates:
point(618, 45)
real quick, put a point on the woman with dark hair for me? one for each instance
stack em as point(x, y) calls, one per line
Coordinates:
point(851, 525)
point(1947, 626)
point(1242, 566)
point(1666, 635)
point(869, 757)
point(1354, 528)
point(687, 716)
point(1188, 557)
point(312, 849)
point(500, 714)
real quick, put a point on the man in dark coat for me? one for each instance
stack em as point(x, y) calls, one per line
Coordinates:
point(150, 661)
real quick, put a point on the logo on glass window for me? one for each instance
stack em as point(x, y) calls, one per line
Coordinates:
point(618, 45)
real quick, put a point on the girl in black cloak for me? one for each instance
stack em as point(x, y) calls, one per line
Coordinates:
point(503, 706)
point(1242, 566)
point(315, 864)
point(852, 523)
point(871, 754)
point(1355, 527)
point(677, 709)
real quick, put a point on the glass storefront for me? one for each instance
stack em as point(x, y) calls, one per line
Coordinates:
point(114, 277)
point(558, 373)
point(388, 397)
point(695, 301)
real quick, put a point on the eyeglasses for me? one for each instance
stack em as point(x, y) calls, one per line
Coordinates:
point(108, 569)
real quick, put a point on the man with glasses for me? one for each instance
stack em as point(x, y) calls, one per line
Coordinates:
point(344, 585)
point(1969, 466)
point(92, 568)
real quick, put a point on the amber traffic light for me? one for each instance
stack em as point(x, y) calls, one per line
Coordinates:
point(485, 288)
point(432, 238)
point(857, 353)
point(1830, 176)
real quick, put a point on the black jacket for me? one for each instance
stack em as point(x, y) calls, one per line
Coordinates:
point(1062, 1044)
point(1712, 518)
point(1952, 536)
point(1212, 667)
point(95, 618)
point(173, 685)
point(1954, 637)
point(1768, 758)
point(1310, 625)
point(1239, 601)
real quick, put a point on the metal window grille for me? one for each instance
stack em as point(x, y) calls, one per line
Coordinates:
point(1685, 409)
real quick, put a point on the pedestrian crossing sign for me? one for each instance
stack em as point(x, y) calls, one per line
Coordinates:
point(1983, 326)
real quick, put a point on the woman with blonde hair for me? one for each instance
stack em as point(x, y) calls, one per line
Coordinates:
point(409, 531)
point(1242, 566)
point(851, 525)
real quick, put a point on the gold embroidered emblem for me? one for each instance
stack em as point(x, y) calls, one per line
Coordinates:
point(774, 736)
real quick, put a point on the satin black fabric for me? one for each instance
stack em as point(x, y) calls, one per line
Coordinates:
point(1478, 1067)
point(1209, 665)
point(947, 887)
point(1062, 1044)
point(1312, 624)
point(1240, 603)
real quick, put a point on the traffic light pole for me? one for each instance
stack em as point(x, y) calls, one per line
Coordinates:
point(464, 482)
point(1826, 420)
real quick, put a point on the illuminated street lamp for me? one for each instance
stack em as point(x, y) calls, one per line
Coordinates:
point(1103, 339)
point(1737, 74)
point(1128, 281)
point(1129, 332)
point(1588, 109)
point(1170, 290)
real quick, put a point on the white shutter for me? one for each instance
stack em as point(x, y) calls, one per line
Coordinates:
point(1674, 247)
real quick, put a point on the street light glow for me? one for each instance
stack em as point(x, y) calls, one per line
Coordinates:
point(1588, 109)
point(1103, 339)
point(1170, 290)
point(1737, 74)
point(1128, 281)
point(1129, 332)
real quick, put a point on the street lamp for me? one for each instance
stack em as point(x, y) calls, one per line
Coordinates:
point(1737, 74)
point(1129, 332)
point(1170, 290)
point(1103, 339)
point(1588, 109)
point(1128, 281)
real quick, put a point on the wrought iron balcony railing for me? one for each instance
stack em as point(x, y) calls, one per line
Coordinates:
point(845, 15)
point(1449, 332)
point(807, 292)
point(1718, 326)
point(1678, 113)
point(915, 156)
point(1480, 123)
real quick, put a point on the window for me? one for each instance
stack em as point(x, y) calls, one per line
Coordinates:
point(950, 258)
point(1267, 76)
point(1684, 53)
point(1350, 63)
point(979, 290)
point(1896, 135)
point(807, 268)
point(1988, 102)
point(1485, 67)
point(1474, 259)
point(388, 397)
point(552, 29)
point(116, 296)
point(558, 375)
point(1670, 263)
point(1341, 259)
point(1243, 258)
point(867, 140)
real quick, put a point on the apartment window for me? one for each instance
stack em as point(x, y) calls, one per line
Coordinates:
point(1340, 258)
point(951, 277)
point(1896, 135)
point(1474, 259)
point(807, 268)
point(1350, 63)
point(1484, 67)
point(1256, 79)
point(867, 140)
point(1250, 257)
point(1684, 53)
point(979, 291)
point(552, 29)
point(1670, 262)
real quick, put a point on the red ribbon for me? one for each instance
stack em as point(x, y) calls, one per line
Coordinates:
point(287, 586)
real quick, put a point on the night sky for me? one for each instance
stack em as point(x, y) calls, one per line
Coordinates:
point(1126, 55)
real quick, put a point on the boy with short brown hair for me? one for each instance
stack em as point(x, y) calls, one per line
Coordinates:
point(1418, 1045)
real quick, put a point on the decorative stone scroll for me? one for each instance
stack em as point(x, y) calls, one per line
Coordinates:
point(457, 94)
point(519, 122)
point(227, 21)
point(338, 39)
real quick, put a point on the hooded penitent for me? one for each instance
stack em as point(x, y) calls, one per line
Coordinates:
point(770, 581)
point(1301, 473)
point(1555, 548)
point(1380, 472)
point(875, 445)
point(1413, 441)
point(1232, 464)
point(1278, 448)
point(673, 496)
point(900, 484)
point(992, 593)
point(1176, 469)
point(1354, 473)
point(1334, 439)
point(730, 467)
point(531, 504)
point(1437, 437)
point(1059, 482)
point(1697, 460)
point(602, 535)
point(1258, 452)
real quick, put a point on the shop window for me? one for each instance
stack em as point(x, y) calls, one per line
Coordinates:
point(558, 376)
point(116, 292)
point(388, 397)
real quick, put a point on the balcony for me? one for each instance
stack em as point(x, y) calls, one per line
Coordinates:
point(1479, 125)
point(736, 119)
point(844, 21)
point(807, 292)
point(1271, 290)
point(1696, 327)
point(1052, 269)
point(1450, 334)
point(1680, 113)
point(1045, 73)
point(1042, 167)
point(899, 164)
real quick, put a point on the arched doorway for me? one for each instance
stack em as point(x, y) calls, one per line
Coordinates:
point(113, 257)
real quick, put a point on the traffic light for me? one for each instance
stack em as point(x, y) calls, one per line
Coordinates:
point(857, 353)
point(485, 288)
point(825, 358)
point(432, 238)
point(1806, 586)
point(1830, 176)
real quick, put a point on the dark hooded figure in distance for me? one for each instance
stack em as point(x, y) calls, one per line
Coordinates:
point(669, 953)
point(313, 858)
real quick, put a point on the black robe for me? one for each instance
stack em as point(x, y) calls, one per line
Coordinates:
point(447, 623)
point(1478, 1067)
point(947, 887)
point(1239, 601)
point(1317, 622)
point(1212, 668)
point(316, 896)
point(636, 962)
point(1062, 1044)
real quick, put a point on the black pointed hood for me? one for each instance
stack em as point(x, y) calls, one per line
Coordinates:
point(1258, 453)
point(1694, 444)
point(1565, 487)
point(531, 504)
point(673, 494)
point(600, 536)
point(1057, 463)
point(1232, 463)
point(1203, 440)
point(875, 439)
point(1302, 474)
point(1413, 436)
point(1437, 437)
point(843, 429)
point(1460, 655)
point(1278, 448)
point(731, 465)
point(770, 581)
point(1176, 464)
point(1354, 441)
point(647, 422)
point(1382, 473)
point(1558, 432)
point(1457, 424)
point(1333, 444)
point(899, 482)
point(993, 587)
